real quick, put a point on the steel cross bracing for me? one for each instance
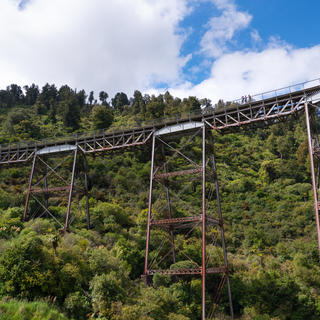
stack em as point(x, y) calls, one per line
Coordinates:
point(258, 113)
point(54, 179)
point(255, 113)
point(173, 173)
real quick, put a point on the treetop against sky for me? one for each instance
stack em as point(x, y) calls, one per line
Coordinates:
point(208, 48)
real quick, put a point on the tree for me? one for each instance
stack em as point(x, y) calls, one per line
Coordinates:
point(32, 94)
point(102, 117)
point(119, 101)
point(138, 105)
point(155, 107)
point(81, 98)
point(91, 97)
point(48, 95)
point(15, 94)
point(103, 96)
point(4, 99)
point(20, 275)
point(105, 289)
point(69, 108)
point(191, 104)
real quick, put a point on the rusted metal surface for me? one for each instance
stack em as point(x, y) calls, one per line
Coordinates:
point(50, 190)
point(313, 175)
point(66, 225)
point(195, 271)
point(263, 112)
point(149, 207)
point(159, 261)
point(169, 206)
point(182, 220)
point(175, 220)
point(216, 182)
point(85, 165)
point(204, 256)
point(177, 173)
point(29, 189)
point(46, 181)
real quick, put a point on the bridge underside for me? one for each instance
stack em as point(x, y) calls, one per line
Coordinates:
point(234, 117)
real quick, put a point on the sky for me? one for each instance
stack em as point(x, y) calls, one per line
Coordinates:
point(216, 49)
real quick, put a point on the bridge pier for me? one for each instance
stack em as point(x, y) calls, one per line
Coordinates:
point(314, 153)
point(173, 172)
point(49, 179)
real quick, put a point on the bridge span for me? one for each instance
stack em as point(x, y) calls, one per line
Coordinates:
point(262, 110)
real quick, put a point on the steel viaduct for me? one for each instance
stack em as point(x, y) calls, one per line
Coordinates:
point(260, 111)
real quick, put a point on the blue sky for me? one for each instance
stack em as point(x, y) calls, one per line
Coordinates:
point(208, 48)
point(295, 22)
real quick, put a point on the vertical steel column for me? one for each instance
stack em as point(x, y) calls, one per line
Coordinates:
point(214, 167)
point(169, 207)
point(203, 273)
point(46, 195)
point(149, 209)
point(29, 187)
point(71, 189)
point(86, 190)
point(313, 177)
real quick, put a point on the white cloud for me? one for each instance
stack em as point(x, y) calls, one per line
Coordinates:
point(255, 36)
point(123, 45)
point(222, 29)
point(114, 45)
point(249, 72)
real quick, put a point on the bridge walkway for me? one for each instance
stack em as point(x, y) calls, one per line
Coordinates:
point(236, 115)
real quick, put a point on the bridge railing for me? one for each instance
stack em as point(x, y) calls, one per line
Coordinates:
point(139, 125)
point(278, 92)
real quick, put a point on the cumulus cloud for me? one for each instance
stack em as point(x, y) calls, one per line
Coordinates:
point(255, 36)
point(222, 29)
point(249, 72)
point(114, 45)
point(123, 45)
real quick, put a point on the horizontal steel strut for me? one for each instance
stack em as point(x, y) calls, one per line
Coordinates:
point(222, 269)
point(258, 113)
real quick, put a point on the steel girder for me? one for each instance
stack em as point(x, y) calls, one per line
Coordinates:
point(235, 116)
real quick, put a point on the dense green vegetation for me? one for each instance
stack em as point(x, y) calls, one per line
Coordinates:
point(95, 274)
point(28, 311)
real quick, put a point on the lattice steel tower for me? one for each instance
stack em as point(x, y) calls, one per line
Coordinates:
point(171, 218)
point(57, 174)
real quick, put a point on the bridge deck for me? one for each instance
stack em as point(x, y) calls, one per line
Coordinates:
point(259, 113)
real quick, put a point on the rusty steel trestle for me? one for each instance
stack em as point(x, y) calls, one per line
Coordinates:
point(47, 182)
point(314, 148)
point(162, 216)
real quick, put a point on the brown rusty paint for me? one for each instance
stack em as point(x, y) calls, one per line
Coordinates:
point(313, 177)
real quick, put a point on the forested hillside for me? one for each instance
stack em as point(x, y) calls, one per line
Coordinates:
point(267, 206)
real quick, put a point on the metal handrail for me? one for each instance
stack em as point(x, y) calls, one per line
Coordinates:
point(283, 90)
point(158, 122)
